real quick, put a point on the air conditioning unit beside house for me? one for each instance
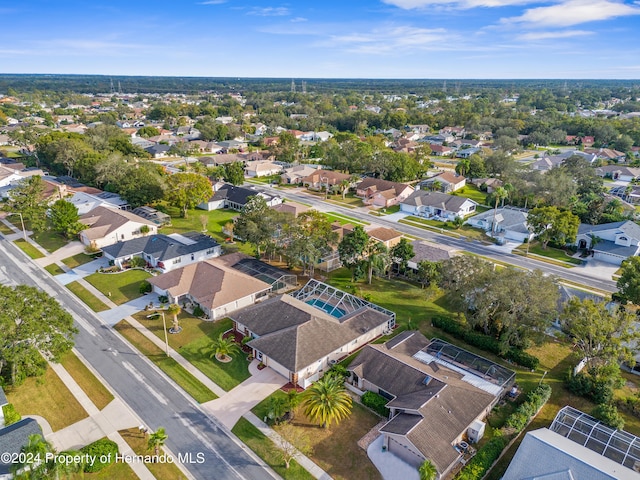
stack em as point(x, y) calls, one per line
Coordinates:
point(475, 432)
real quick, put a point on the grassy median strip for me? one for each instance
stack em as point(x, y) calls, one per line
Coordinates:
point(266, 450)
point(95, 390)
point(139, 444)
point(87, 297)
point(54, 269)
point(29, 249)
point(168, 365)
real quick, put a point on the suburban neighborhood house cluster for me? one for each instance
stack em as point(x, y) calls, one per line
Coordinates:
point(326, 267)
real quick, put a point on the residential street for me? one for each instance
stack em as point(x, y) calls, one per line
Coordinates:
point(156, 400)
point(574, 275)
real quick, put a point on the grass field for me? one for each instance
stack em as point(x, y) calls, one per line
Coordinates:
point(343, 219)
point(77, 260)
point(119, 287)
point(49, 240)
point(54, 269)
point(549, 252)
point(193, 343)
point(47, 397)
point(447, 228)
point(265, 449)
point(172, 368)
point(5, 230)
point(335, 448)
point(87, 297)
point(95, 390)
point(138, 443)
point(472, 192)
point(29, 249)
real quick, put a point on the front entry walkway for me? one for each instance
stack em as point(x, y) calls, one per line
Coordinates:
point(235, 403)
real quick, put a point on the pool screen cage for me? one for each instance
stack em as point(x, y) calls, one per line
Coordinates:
point(617, 445)
point(280, 280)
point(337, 300)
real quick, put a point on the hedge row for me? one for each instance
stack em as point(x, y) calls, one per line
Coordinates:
point(104, 451)
point(485, 342)
point(10, 414)
point(483, 460)
point(376, 403)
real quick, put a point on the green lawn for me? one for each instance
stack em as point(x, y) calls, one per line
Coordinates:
point(264, 448)
point(29, 249)
point(77, 260)
point(5, 230)
point(446, 227)
point(335, 448)
point(54, 269)
point(95, 390)
point(47, 397)
point(49, 240)
point(389, 210)
point(343, 219)
point(161, 470)
point(87, 297)
point(193, 343)
point(472, 192)
point(119, 287)
point(550, 252)
point(171, 367)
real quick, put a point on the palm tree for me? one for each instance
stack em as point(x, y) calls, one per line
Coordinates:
point(277, 407)
point(327, 401)
point(344, 187)
point(174, 309)
point(224, 348)
point(157, 440)
point(498, 194)
point(376, 256)
point(427, 471)
point(36, 449)
point(462, 167)
point(436, 186)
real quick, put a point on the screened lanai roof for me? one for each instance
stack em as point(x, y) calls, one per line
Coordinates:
point(280, 280)
point(617, 445)
point(336, 302)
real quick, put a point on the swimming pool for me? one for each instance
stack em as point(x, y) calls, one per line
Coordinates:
point(327, 307)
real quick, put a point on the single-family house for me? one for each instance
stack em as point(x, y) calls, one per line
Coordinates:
point(504, 223)
point(449, 182)
point(211, 285)
point(292, 208)
point(547, 162)
point(440, 150)
point(488, 184)
point(86, 202)
point(295, 174)
point(576, 446)
point(228, 145)
point(467, 152)
point(234, 197)
point(619, 172)
point(610, 242)
point(164, 252)
point(107, 226)
point(261, 168)
point(301, 335)
point(607, 154)
point(9, 176)
point(387, 236)
point(436, 204)
point(323, 178)
point(438, 396)
point(221, 159)
point(382, 193)
point(158, 150)
point(430, 252)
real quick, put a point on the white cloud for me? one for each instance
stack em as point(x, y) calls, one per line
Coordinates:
point(533, 36)
point(418, 4)
point(391, 40)
point(269, 11)
point(575, 12)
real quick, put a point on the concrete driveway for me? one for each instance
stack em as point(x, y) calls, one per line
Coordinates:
point(235, 403)
point(116, 314)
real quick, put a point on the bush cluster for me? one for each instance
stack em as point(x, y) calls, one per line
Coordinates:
point(485, 342)
point(10, 415)
point(527, 409)
point(376, 403)
point(482, 461)
point(597, 384)
point(198, 312)
point(100, 449)
point(145, 287)
point(630, 405)
point(609, 415)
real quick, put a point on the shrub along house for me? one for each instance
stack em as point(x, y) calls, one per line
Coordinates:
point(438, 396)
point(303, 334)
point(165, 252)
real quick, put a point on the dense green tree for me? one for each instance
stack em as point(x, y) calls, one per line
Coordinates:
point(601, 335)
point(148, 131)
point(309, 239)
point(351, 249)
point(401, 253)
point(629, 281)
point(65, 219)
point(256, 223)
point(476, 167)
point(32, 323)
point(187, 190)
point(233, 173)
point(327, 401)
point(551, 224)
point(28, 199)
point(427, 273)
point(375, 257)
point(143, 184)
point(287, 148)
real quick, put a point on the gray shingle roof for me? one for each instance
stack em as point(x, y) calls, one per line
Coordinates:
point(162, 247)
point(451, 203)
point(426, 251)
point(402, 424)
point(239, 195)
point(14, 437)
point(3, 398)
point(626, 226)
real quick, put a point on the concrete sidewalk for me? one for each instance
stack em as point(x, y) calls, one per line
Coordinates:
point(235, 403)
point(69, 250)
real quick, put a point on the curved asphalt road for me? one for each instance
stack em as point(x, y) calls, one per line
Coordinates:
point(572, 275)
point(144, 388)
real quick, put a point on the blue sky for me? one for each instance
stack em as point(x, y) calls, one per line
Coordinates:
point(327, 38)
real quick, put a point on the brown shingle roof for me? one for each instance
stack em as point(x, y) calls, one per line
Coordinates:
point(384, 234)
point(102, 221)
point(382, 185)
